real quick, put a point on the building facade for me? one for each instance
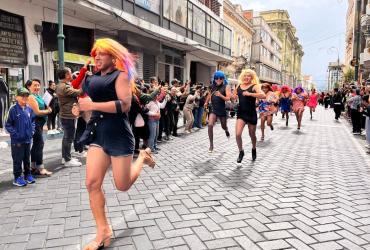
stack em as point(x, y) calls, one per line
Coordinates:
point(266, 57)
point(292, 51)
point(335, 75)
point(350, 32)
point(242, 36)
point(171, 39)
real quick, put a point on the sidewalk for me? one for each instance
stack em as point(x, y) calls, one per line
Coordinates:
point(307, 190)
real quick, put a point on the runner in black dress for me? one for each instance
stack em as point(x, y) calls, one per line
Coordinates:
point(220, 93)
point(247, 92)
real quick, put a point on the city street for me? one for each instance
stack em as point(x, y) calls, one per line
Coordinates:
point(307, 190)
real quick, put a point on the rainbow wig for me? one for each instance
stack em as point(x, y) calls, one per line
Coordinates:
point(298, 87)
point(285, 89)
point(124, 60)
point(219, 74)
point(255, 79)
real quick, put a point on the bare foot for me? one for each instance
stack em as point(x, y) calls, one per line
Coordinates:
point(148, 158)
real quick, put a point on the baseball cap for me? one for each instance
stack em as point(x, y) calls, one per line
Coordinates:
point(23, 92)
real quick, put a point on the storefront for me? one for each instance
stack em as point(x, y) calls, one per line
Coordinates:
point(13, 50)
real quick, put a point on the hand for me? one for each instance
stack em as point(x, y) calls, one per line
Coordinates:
point(85, 104)
point(49, 110)
point(75, 110)
point(246, 93)
point(87, 63)
point(217, 93)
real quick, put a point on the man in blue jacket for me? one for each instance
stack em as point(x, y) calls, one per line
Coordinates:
point(20, 125)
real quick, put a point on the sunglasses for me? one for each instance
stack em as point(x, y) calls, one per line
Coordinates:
point(219, 78)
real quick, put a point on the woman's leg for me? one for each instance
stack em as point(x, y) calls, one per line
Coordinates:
point(223, 121)
point(300, 115)
point(263, 119)
point(96, 166)
point(252, 135)
point(239, 127)
point(152, 134)
point(287, 118)
point(187, 118)
point(191, 121)
point(125, 172)
point(211, 122)
point(269, 120)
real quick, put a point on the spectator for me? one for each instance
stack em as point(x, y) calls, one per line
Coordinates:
point(41, 111)
point(355, 104)
point(199, 115)
point(154, 114)
point(366, 104)
point(188, 109)
point(174, 110)
point(338, 103)
point(78, 78)
point(54, 105)
point(21, 126)
point(67, 96)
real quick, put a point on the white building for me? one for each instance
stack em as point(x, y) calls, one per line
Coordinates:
point(177, 39)
point(335, 75)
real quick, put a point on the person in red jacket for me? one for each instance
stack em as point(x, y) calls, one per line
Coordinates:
point(81, 122)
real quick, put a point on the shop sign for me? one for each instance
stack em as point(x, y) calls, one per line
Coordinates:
point(12, 39)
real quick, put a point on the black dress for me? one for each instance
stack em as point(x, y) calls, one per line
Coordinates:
point(217, 103)
point(247, 106)
point(112, 131)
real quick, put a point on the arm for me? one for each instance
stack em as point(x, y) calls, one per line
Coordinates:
point(146, 98)
point(208, 99)
point(124, 94)
point(76, 83)
point(33, 122)
point(35, 107)
point(9, 125)
point(259, 93)
point(162, 105)
point(70, 91)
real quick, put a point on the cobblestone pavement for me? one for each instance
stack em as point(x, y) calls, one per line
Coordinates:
point(307, 190)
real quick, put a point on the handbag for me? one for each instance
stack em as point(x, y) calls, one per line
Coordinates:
point(139, 121)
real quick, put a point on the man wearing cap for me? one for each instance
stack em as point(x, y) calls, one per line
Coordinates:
point(20, 125)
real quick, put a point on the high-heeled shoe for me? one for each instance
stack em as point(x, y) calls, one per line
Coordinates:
point(148, 159)
point(240, 158)
point(94, 245)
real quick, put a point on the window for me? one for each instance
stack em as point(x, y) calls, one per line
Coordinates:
point(175, 10)
point(227, 38)
point(199, 18)
point(215, 27)
point(167, 9)
point(190, 16)
point(208, 27)
point(179, 12)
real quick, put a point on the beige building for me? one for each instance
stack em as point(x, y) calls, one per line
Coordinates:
point(241, 42)
point(292, 51)
point(266, 57)
point(350, 30)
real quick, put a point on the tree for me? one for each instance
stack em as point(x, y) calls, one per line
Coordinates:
point(349, 75)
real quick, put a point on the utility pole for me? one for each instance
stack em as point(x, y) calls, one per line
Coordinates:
point(60, 34)
point(358, 38)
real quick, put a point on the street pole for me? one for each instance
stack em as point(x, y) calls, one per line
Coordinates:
point(60, 35)
point(358, 37)
point(338, 69)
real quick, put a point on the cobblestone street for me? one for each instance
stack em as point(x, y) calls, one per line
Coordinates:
point(307, 190)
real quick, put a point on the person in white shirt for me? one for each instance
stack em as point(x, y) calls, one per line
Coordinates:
point(154, 114)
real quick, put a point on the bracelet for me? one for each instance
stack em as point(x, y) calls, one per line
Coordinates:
point(118, 104)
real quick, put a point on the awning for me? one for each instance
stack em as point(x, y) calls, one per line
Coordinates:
point(71, 57)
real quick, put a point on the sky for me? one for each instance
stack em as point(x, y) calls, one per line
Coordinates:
point(320, 25)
